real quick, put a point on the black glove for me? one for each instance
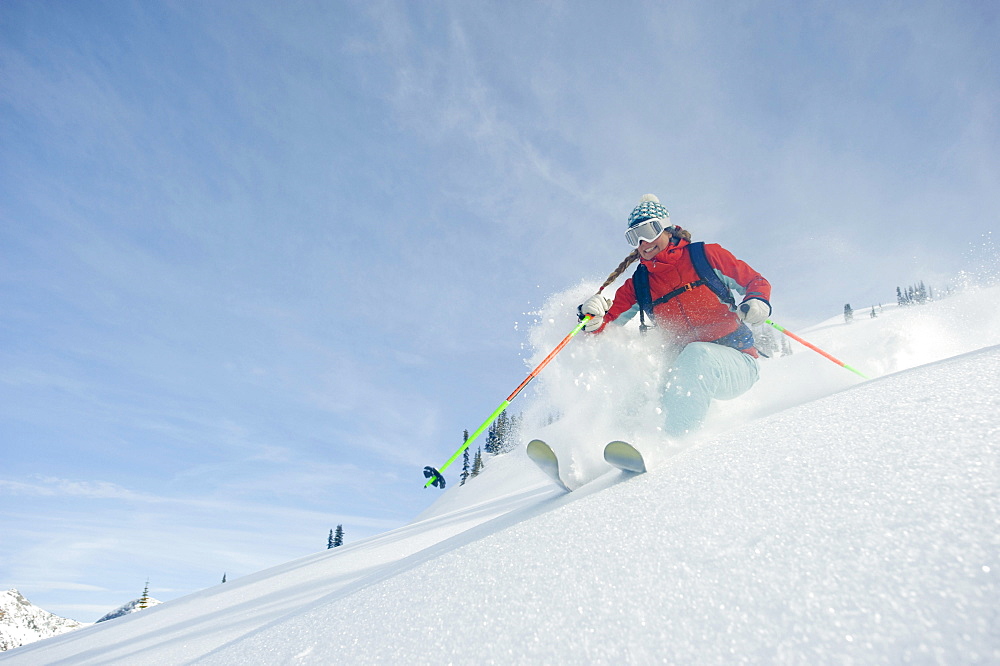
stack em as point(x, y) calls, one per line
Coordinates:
point(438, 477)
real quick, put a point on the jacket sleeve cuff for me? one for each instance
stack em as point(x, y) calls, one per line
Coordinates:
point(758, 298)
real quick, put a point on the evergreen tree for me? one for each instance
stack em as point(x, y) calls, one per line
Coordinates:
point(144, 599)
point(922, 293)
point(477, 464)
point(496, 434)
point(514, 436)
point(848, 313)
point(338, 537)
point(329, 540)
point(491, 435)
point(764, 340)
point(223, 577)
point(465, 461)
point(786, 347)
point(915, 294)
point(502, 435)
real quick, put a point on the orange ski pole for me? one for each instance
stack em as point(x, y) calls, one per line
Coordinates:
point(816, 349)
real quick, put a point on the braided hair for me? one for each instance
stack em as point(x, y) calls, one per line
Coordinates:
point(677, 235)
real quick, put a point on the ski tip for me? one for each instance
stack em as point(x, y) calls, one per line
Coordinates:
point(538, 448)
point(624, 456)
point(542, 455)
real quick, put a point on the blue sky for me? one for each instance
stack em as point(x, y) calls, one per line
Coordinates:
point(262, 262)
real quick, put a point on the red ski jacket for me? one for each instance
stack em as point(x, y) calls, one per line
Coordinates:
point(696, 315)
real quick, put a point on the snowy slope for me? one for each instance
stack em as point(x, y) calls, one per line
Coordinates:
point(820, 520)
point(807, 542)
point(21, 622)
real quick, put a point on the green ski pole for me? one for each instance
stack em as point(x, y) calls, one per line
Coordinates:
point(816, 349)
point(433, 475)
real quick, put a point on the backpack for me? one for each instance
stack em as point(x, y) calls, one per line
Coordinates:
point(740, 339)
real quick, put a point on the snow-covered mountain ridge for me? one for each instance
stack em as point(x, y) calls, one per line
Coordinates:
point(821, 520)
point(143, 603)
point(22, 623)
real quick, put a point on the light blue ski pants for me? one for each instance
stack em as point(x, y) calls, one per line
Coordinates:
point(703, 372)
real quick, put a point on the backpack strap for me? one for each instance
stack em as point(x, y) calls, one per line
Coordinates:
point(678, 291)
point(740, 339)
point(708, 275)
point(644, 298)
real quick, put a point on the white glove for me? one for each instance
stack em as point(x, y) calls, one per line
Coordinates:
point(597, 306)
point(753, 311)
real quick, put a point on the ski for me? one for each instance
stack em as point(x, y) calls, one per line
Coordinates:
point(625, 457)
point(543, 456)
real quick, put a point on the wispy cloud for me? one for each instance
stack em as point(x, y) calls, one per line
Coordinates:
point(53, 487)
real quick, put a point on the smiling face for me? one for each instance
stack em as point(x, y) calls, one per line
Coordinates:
point(649, 249)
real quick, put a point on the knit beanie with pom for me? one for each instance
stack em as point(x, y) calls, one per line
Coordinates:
point(649, 207)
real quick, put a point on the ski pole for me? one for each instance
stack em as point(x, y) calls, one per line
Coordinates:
point(434, 476)
point(816, 349)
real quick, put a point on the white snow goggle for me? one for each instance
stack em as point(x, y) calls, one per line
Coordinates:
point(647, 230)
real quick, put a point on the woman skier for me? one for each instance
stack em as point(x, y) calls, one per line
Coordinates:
point(684, 289)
